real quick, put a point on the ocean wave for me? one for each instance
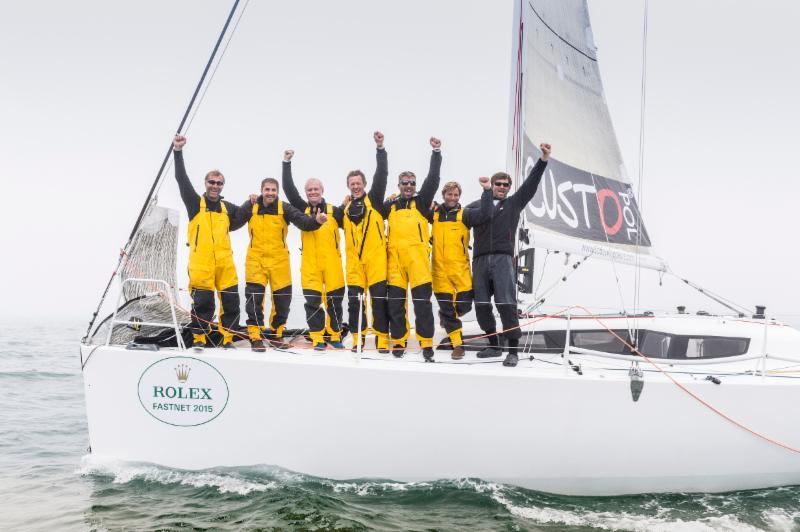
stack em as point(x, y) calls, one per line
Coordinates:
point(621, 520)
point(124, 472)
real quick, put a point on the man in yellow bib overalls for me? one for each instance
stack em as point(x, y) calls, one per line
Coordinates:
point(211, 266)
point(321, 262)
point(268, 262)
point(452, 277)
point(365, 249)
point(409, 256)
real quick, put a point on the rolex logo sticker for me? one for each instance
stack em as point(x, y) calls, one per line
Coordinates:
point(183, 391)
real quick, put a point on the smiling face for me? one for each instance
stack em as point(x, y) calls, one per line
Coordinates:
point(314, 191)
point(356, 184)
point(451, 197)
point(269, 191)
point(501, 184)
point(407, 183)
point(215, 182)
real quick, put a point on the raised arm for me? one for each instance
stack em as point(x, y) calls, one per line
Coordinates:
point(296, 217)
point(191, 199)
point(288, 183)
point(528, 188)
point(378, 189)
point(477, 215)
point(431, 183)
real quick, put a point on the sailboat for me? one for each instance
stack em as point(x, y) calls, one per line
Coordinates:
point(611, 404)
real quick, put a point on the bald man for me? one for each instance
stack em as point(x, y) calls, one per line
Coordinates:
point(321, 263)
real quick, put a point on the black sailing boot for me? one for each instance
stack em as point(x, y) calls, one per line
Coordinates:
point(512, 358)
point(493, 349)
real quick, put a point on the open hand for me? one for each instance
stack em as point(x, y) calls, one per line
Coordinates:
point(321, 217)
point(253, 199)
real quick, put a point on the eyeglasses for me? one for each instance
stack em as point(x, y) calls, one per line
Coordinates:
point(502, 184)
point(408, 183)
point(215, 183)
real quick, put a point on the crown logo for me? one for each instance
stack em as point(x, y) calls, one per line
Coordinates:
point(182, 371)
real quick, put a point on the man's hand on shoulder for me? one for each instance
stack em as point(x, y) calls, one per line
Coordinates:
point(545, 151)
point(253, 199)
point(321, 217)
point(178, 142)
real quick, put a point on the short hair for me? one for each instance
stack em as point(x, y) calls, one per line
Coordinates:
point(270, 180)
point(315, 180)
point(407, 173)
point(451, 185)
point(215, 173)
point(353, 173)
point(501, 175)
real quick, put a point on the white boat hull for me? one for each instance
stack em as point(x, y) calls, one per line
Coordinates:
point(538, 426)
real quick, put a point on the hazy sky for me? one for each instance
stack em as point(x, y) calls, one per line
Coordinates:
point(92, 91)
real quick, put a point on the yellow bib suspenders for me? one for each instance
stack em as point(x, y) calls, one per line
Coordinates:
point(452, 277)
point(267, 264)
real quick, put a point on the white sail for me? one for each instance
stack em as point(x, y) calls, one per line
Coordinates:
point(585, 203)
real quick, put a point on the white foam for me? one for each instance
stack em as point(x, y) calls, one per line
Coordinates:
point(781, 520)
point(124, 472)
point(622, 520)
point(373, 488)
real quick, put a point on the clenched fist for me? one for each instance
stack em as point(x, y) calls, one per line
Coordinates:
point(178, 142)
point(545, 151)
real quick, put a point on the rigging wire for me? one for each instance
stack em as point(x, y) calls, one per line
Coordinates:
point(149, 199)
point(642, 107)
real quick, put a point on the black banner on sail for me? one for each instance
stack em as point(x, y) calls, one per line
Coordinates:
point(581, 205)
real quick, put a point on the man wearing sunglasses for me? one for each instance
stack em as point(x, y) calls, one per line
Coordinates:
point(493, 272)
point(211, 266)
point(409, 256)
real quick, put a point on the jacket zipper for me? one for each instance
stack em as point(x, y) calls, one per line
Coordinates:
point(196, 237)
point(419, 229)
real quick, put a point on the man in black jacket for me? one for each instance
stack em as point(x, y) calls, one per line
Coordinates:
point(493, 272)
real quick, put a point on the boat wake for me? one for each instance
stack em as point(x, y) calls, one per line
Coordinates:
point(125, 473)
point(740, 511)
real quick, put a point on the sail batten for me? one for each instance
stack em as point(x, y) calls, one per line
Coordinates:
point(585, 200)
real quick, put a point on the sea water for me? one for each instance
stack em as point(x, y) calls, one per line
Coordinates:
point(48, 481)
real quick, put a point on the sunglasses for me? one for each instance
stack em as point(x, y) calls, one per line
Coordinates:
point(408, 183)
point(502, 184)
point(215, 183)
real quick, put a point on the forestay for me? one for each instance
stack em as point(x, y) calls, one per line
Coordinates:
point(585, 203)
